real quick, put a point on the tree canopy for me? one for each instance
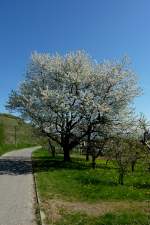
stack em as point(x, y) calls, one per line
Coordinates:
point(67, 97)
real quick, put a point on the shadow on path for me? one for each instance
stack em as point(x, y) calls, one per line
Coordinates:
point(15, 166)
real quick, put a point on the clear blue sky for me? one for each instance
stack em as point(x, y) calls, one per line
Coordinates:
point(104, 28)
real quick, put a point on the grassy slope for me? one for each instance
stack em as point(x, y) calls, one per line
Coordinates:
point(64, 184)
point(9, 125)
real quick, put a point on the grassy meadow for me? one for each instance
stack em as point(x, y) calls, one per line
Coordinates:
point(15, 134)
point(75, 194)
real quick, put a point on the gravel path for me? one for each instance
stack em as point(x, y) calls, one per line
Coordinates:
point(16, 188)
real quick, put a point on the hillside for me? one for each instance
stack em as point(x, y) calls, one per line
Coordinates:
point(15, 133)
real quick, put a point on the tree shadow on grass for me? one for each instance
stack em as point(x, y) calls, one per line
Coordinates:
point(50, 164)
point(89, 180)
point(22, 165)
point(142, 186)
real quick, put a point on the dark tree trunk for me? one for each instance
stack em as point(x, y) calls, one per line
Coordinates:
point(93, 161)
point(51, 149)
point(107, 161)
point(66, 154)
point(121, 178)
point(88, 146)
point(133, 165)
point(53, 152)
point(87, 156)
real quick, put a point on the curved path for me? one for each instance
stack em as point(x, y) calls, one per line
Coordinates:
point(17, 188)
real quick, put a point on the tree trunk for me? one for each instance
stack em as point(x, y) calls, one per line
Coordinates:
point(107, 161)
point(66, 154)
point(88, 146)
point(93, 161)
point(133, 166)
point(87, 155)
point(121, 178)
point(53, 152)
point(51, 149)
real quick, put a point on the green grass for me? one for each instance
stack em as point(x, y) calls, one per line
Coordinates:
point(16, 134)
point(14, 130)
point(126, 218)
point(76, 182)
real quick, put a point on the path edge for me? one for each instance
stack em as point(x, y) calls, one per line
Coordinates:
point(38, 200)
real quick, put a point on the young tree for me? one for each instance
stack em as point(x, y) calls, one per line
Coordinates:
point(96, 141)
point(65, 95)
point(124, 148)
point(120, 154)
point(144, 131)
point(136, 152)
point(144, 137)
